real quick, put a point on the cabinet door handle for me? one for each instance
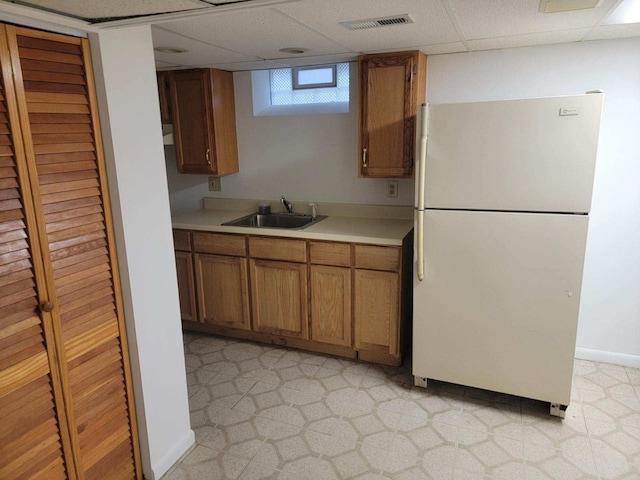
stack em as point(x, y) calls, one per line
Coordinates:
point(206, 155)
point(364, 158)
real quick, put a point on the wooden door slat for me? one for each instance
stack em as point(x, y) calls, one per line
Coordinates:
point(24, 372)
point(70, 214)
point(76, 231)
point(56, 67)
point(34, 86)
point(63, 148)
point(50, 56)
point(19, 326)
point(56, 98)
point(56, 138)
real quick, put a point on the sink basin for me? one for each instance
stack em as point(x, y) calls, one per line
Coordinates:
point(275, 220)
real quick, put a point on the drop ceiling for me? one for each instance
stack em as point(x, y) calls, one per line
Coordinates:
point(249, 34)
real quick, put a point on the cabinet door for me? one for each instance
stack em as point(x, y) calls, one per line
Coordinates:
point(388, 102)
point(186, 287)
point(192, 121)
point(222, 285)
point(279, 294)
point(331, 305)
point(376, 312)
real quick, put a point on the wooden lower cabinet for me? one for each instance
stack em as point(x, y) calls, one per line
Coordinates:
point(223, 293)
point(186, 287)
point(279, 298)
point(331, 304)
point(377, 313)
point(346, 299)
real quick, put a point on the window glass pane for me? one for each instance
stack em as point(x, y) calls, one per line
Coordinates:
point(315, 76)
point(282, 92)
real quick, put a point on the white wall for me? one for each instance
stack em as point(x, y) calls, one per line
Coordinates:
point(305, 157)
point(129, 111)
point(609, 325)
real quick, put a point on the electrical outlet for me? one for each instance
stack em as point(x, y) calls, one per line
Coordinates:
point(392, 189)
point(215, 184)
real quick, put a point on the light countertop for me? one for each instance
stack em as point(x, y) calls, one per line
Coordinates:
point(379, 231)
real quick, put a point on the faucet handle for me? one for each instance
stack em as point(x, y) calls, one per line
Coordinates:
point(314, 210)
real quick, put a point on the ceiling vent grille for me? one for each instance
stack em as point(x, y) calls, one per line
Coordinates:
point(377, 22)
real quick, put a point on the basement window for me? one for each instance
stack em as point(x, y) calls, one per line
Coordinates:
point(301, 90)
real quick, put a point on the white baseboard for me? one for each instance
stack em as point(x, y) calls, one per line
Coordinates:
point(163, 465)
point(608, 357)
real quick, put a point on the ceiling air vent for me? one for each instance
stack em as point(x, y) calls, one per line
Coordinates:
point(377, 22)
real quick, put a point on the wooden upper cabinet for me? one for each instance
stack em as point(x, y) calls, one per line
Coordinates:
point(163, 92)
point(204, 121)
point(392, 85)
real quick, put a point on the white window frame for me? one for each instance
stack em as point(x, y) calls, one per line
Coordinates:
point(261, 93)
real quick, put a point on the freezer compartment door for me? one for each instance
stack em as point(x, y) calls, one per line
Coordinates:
point(534, 155)
point(498, 308)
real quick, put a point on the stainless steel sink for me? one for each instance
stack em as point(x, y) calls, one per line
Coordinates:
point(275, 220)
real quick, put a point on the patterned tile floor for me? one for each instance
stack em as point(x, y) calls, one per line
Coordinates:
point(263, 412)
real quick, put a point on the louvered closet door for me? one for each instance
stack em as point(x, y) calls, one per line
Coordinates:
point(68, 180)
point(30, 436)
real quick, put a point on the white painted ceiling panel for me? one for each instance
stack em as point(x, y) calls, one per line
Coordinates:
point(544, 38)
point(259, 32)
point(432, 23)
point(198, 53)
point(502, 18)
point(607, 32)
point(455, 47)
point(243, 66)
point(116, 8)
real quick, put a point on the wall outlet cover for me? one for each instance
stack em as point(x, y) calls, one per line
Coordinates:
point(392, 189)
point(215, 184)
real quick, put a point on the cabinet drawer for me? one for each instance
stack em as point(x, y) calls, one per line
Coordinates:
point(378, 258)
point(220, 244)
point(278, 249)
point(182, 240)
point(330, 253)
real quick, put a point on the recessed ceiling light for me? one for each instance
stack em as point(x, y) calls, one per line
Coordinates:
point(294, 50)
point(556, 6)
point(170, 50)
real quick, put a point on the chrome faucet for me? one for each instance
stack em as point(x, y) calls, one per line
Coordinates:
point(286, 204)
point(314, 210)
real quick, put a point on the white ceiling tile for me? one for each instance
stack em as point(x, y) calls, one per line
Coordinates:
point(242, 66)
point(258, 32)
point(501, 18)
point(607, 32)
point(545, 38)
point(94, 9)
point(198, 52)
point(164, 65)
point(319, 60)
point(455, 47)
point(432, 24)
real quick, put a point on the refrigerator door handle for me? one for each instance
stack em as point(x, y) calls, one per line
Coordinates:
point(422, 160)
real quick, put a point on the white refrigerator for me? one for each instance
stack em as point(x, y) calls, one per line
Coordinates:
point(504, 193)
